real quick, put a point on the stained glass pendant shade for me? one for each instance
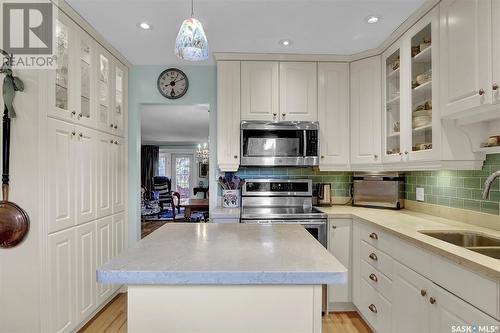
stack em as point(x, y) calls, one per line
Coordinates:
point(191, 42)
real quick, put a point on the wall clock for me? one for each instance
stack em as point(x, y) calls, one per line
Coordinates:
point(172, 83)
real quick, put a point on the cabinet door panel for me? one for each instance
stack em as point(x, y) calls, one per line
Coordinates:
point(118, 234)
point(410, 298)
point(104, 254)
point(62, 282)
point(228, 115)
point(259, 90)
point(339, 244)
point(366, 111)
point(104, 175)
point(118, 175)
point(85, 143)
point(298, 91)
point(449, 310)
point(333, 114)
point(61, 175)
point(85, 79)
point(120, 94)
point(86, 265)
point(61, 81)
point(103, 91)
point(465, 32)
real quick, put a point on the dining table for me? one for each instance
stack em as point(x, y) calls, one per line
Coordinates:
point(194, 205)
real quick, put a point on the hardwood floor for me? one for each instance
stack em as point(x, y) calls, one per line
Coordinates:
point(113, 319)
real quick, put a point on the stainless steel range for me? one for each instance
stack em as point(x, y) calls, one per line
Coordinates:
point(280, 201)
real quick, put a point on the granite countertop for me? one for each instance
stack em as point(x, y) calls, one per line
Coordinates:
point(406, 225)
point(225, 254)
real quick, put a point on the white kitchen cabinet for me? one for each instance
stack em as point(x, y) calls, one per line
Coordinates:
point(118, 175)
point(495, 17)
point(104, 189)
point(104, 236)
point(410, 300)
point(298, 86)
point(105, 114)
point(228, 115)
point(339, 244)
point(118, 234)
point(260, 90)
point(366, 111)
point(62, 281)
point(465, 60)
point(333, 115)
point(119, 105)
point(85, 270)
point(85, 168)
point(72, 93)
point(61, 137)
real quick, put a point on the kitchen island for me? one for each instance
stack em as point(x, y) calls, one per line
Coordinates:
point(225, 278)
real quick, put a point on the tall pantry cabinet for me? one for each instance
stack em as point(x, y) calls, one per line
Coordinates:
point(84, 175)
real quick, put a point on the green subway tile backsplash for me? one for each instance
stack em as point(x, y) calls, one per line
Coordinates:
point(451, 188)
point(341, 181)
point(458, 189)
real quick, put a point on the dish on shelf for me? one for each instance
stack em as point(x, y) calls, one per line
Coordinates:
point(415, 50)
point(421, 121)
point(424, 106)
point(393, 151)
point(422, 113)
point(493, 141)
point(396, 127)
point(422, 146)
point(424, 77)
point(395, 64)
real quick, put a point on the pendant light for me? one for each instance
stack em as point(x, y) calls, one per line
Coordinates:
point(191, 42)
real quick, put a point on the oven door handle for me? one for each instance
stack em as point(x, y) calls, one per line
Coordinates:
point(305, 143)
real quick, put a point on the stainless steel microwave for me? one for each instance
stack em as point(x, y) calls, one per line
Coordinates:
point(283, 143)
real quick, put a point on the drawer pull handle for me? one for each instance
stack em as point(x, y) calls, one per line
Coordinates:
point(373, 235)
point(423, 292)
point(432, 300)
point(372, 308)
point(373, 256)
point(481, 92)
point(373, 277)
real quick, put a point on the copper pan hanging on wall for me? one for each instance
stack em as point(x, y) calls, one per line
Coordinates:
point(14, 222)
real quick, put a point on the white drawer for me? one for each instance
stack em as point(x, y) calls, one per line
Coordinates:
point(377, 280)
point(376, 258)
point(375, 308)
point(377, 238)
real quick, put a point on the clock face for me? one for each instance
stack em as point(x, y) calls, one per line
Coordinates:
point(173, 83)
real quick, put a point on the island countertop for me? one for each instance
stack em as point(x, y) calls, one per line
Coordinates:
point(225, 254)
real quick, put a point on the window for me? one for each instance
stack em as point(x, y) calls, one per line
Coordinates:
point(163, 164)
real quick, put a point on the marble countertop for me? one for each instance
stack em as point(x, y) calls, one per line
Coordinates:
point(406, 225)
point(225, 254)
point(221, 212)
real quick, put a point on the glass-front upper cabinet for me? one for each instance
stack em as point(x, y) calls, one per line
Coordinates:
point(391, 61)
point(425, 124)
point(61, 84)
point(105, 116)
point(119, 102)
point(85, 80)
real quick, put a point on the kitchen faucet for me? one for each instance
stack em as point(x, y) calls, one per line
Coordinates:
point(488, 182)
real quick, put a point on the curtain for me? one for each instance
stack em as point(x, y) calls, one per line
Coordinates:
point(149, 167)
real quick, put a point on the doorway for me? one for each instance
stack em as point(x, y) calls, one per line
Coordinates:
point(182, 174)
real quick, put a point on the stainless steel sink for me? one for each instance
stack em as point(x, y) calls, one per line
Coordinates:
point(477, 242)
point(464, 238)
point(490, 251)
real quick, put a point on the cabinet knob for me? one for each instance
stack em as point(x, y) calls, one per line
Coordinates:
point(406, 152)
point(373, 256)
point(235, 156)
point(111, 125)
point(80, 135)
point(481, 92)
point(372, 308)
point(73, 133)
point(80, 115)
point(283, 115)
point(375, 156)
point(373, 277)
point(116, 142)
point(432, 300)
point(73, 112)
point(111, 141)
point(373, 236)
point(334, 227)
point(495, 86)
point(116, 127)
point(322, 156)
point(423, 292)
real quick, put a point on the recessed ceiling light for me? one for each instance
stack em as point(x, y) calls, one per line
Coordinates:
point(285, 42)
point(145, 26)
point(372, 19)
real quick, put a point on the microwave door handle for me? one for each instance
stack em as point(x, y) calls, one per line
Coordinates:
point(305, 143)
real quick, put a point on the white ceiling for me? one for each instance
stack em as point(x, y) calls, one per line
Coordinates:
point(315, 26)
point(173, 124)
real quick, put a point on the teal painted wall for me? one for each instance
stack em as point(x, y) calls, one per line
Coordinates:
point(458, 189)
point(143, 91)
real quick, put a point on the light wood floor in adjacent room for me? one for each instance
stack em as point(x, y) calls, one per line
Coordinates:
point(113, 319)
